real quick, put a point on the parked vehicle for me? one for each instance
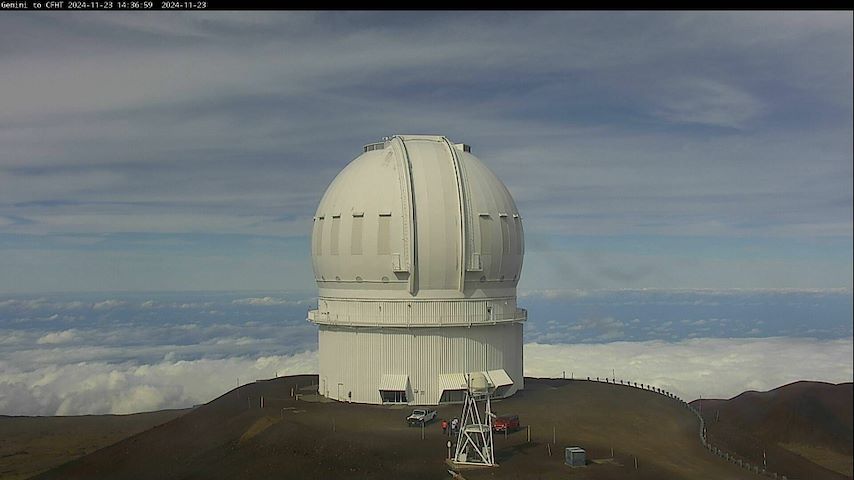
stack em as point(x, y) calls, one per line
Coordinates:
point(421, 417)
point(509, 423)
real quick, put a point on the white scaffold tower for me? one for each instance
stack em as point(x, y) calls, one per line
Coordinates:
point(474, 443)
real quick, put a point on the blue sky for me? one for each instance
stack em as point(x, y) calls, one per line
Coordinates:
point(188, 151)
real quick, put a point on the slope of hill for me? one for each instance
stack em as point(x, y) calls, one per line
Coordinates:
point(233, 437)
point(804, 428)
point(29, 445)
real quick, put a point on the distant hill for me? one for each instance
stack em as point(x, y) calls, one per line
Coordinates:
point(804, 428)
point(233, 437)
point(29, 445)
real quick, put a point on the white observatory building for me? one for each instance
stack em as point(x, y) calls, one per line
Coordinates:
point(417, 249)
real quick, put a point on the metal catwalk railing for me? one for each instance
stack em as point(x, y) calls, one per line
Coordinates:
point(327, 318)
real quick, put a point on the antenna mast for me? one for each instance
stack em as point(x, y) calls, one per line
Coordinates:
point(475, 444)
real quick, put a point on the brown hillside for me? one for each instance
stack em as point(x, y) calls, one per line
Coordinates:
point(29, 445)
point(232, 437)
point(805, 428)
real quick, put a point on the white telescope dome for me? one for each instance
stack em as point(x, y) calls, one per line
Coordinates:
point(417, 216)
point(417, 250)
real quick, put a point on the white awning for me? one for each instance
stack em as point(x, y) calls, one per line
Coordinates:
point(394, 382)
point(452, 381)
point(498, 378)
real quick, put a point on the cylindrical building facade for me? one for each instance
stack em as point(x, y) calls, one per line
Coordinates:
point(417, 250)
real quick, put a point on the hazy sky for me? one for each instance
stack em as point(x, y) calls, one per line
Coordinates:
point(188, 151)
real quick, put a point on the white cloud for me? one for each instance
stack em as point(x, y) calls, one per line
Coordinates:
point(707, 367)
point(53, 338)
point(40, 303)
point(101, 387)
point(264, 301)
point(708, 102)
point(554, 293)
point(594, 125)
point(712, 368)
point(138, 358)
point(604, 329)
point(686, 296)
point(108, 304)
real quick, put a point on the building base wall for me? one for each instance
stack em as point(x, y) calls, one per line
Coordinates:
point(356, 362)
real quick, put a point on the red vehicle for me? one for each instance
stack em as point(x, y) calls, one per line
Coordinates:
point(509, 423)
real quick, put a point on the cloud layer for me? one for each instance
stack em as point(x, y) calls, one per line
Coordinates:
point(700, 367)
point(80, 354)
point(72, 354)
point(703, 367)
point(595, 316)
point(96, 387)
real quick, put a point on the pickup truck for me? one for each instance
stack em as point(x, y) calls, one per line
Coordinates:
point(506, 423)
point(421, 417)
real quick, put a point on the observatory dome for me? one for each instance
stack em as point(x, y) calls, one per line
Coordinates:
point(417, 250)
point(417, 216)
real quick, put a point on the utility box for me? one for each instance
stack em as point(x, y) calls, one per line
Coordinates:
point(576, 457)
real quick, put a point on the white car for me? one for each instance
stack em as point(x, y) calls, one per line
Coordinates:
point(421, 417)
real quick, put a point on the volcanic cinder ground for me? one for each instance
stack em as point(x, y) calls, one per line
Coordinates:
point(29, 445)
point(233, 437)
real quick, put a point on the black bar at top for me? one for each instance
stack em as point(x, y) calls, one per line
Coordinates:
point(203, 5)
point(143, 5)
